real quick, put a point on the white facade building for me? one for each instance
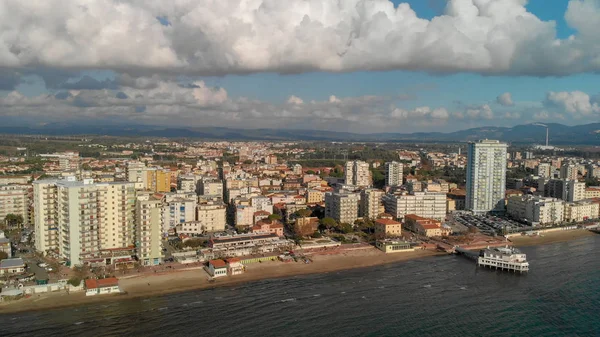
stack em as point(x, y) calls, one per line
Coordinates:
point(343, 207)
point(357, 173)
point(424, 204)
point(536, 210)
point(486, 176)
point(393, 173)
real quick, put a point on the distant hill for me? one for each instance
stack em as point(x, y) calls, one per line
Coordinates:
point(588, 134)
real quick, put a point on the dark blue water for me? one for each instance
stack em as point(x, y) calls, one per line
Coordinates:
point(439, 296)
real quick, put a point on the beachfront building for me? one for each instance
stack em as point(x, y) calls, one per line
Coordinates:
point(370, 203)
point(82, 218)
point(235, 267)
point(486, 176)
point(343, 207)
point(248, 244)
point(149, 229)
point(104, 286)
point(12, 266)
point(177, 210)
point(581, 211)
point(425, 204)
point(387, 227)
point(536, 210)
point(393, 246)
point(15, 199)
point(217, 268)
point(268, 226)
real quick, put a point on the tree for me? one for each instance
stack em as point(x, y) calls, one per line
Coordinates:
point(248, 162)
point(274, 217)
point(304, 213)
point(13, 220)
point(346, 228)
point(74, 281)
point(329, 223)
point(3, 255)
point(310, 172)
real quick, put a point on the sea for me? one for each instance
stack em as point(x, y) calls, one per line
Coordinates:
point(437, 296)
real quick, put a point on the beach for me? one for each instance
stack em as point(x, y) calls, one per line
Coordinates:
point(196, 278)
point(146, 285)
point(550, 237)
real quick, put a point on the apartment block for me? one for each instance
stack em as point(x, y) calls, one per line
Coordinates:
point(149, 230)
point(357, 173)
point(89, 218)
point(569, 171)
point(536, 210)
point(581, 211)
point(15, 199)
point(567, 190)
point(342, 207)
point(486, 176)
point(370, 203)
point(210, 187)
point(423, 204)
point(176, 211)
point(544, 170)
point(393, 173)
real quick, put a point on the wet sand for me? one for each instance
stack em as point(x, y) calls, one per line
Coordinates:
point(184, 280)
point(551, 237)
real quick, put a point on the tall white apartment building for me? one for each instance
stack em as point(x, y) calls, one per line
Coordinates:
point(357, 173)
point(136, 172)
point(536, 210)
point(424, 204)
point(370, 203)
point(261, 203)
point(149, 229)
point(567, 190)
point(486, 176)
point(211, 217)
point(394, 173)
point(342, 207)
point(89, 217)
point(15, 199)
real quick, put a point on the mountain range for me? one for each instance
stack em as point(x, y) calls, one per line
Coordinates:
point(588, 134)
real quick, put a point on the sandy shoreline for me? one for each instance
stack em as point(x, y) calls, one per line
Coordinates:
point(185, 280)
point(192, 279)
point(552, 237)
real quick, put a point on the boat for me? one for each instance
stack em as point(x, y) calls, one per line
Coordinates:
point(504, 258)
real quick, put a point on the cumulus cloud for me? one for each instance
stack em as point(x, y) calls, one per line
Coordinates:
point(575, 103)
point(477, 112)
point(244, 36)
point(295, 100)
point(505, 99)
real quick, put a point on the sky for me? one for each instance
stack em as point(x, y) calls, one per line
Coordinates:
point(364, 66)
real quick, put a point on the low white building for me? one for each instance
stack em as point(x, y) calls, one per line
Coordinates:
point(536, 210)
point(581, 211)
point(217, 268)
point(102, 286)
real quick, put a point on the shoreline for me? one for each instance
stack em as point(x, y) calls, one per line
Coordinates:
point(151, 285)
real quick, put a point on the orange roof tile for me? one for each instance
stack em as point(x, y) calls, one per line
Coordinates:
point(217, 263)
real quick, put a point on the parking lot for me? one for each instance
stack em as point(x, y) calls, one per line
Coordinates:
point(488, 224)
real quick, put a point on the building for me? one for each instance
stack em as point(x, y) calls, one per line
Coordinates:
point(544, 170)
point(5, 245)
point(176, 211)
point(244, 215)
point(388, 227)
point(158, 180)
point(211, 216)
point(593, 171)
point(592, 192)
point(343, 207)
point(268, 226)
point(581, 211)
point(568, 190)
point(536, 210)
point(12, 266)
point(486, 176)
point(217, 268)
point(149, 230)
point(210, 187)
point(370, 203)
point(393, 173)
point(15, 199)
point(271, 159)
point(136, 172)
point(569, 171)
point(425, 204)
point(104, 286)
point(425, 226)
point(82, 218)
point(297, 169)
point(458, 196)
point(314, 196)
point(357, 173)
point(186, 184)
point(235, 267)
point(248, 244)
point(392, 246)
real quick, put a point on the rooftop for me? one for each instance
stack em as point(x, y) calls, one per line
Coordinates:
point(12, 263)
point(218, 263)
